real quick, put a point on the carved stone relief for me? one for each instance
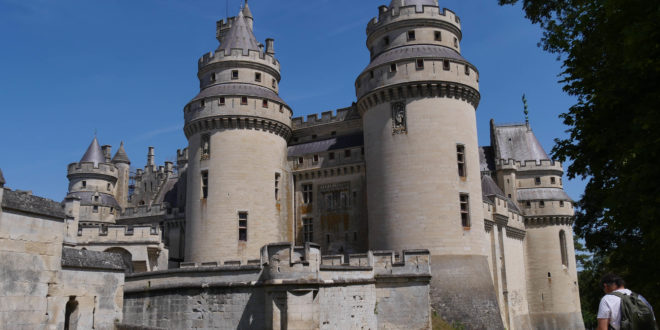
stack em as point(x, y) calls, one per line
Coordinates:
point(399, 118)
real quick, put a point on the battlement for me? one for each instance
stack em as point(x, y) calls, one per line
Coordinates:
point(530, 165)
point(238, 54)
point(107, 169)
point(387, 16)
point(327, 117)
point(115, 234)
point(148, 211)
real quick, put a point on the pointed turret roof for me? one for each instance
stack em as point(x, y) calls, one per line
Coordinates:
point(93, 154)
point(246, 10)
point(239, 36)
point(121, 156)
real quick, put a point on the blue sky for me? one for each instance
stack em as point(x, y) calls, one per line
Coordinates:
point(126, 68)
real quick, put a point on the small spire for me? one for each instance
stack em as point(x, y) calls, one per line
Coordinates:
point(121, 156)
point(246, 10)
point(526, 111)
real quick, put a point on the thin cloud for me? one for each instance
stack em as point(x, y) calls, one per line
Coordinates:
point(151, 134)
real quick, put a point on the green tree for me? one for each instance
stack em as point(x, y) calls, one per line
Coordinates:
point(611, 63)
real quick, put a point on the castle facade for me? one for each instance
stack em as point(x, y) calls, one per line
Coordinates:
point(392, 212)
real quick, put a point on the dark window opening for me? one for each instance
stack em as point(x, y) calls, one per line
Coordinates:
point(234, 74)
point(327, 239)
point(445, 65)
point(212, 77)
point(307, 193)
point(316, 158)
point(386, 40)
point(84, 184)
point(460, 154)
point(277, 186)
point(393, 67)
point(331, 156)
point(244, 100)
point(561, 203)
point(301, 160)
point(274, 83)
point(438, 36)
point(109, 187)
point(455, 42)
point(202, 103)
point(553, 180)
point(222, 101)
point(257, 77)
point(242, 226)
point(96, 209)
point(411, 35)
point(347, 153)
point(465, 210)
point(71, 314)
point(419, 64)
point(371, 74)
point(308, 230)
point(537, 180)
point(467, 70)
point(205, 184)
point(206, 146)
point(542, 204)
point(264, 103)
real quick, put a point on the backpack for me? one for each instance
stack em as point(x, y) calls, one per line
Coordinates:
point(635, 313)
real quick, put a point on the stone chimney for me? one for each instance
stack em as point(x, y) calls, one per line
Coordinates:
point(107, 153)
point(270, 46)
point(150, 157)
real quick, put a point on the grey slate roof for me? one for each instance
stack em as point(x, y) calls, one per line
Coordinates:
point(418, 3)
point(486, 159)
point(121, 156)
point(517, 142)
point(414, 51)
point(339, 142)
point(238, 89)
point(93, 154)
point(239, 36)
point(551, 194)
point(246, 10)
point(2, 179)
point(86, 259)
point(87, 199)
point(489, 188)
point(24, 202)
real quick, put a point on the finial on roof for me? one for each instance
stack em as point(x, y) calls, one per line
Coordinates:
point(524, 99)
point(121, 156)
point(93, 154)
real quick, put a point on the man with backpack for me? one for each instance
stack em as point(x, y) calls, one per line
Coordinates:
point(622, 309)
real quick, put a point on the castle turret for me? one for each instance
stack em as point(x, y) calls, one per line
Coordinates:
point(123, 164)
point(535, 182)
point(93, 181)
point(418, 99)
point(237, 129)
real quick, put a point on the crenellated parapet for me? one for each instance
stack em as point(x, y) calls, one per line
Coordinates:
point(545, 165)
point(118, 234)
point(106, 171)
point(239, 55)
point(327, 117)
point(412, 15)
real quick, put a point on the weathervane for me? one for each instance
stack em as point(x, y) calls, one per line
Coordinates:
point(524, 99)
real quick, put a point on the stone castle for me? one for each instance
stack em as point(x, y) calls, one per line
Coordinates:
point(391, 212)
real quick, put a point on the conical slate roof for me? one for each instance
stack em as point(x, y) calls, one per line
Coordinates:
point(93, 154)
point(121, 156)
point(239, 36)
point(246, 11)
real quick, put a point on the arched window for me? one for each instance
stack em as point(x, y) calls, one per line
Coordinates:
point(562, 246)
point(71, 314)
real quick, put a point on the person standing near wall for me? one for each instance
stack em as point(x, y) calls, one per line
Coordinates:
point(621, 309)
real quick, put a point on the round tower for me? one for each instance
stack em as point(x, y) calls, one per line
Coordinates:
point(553, 292)
point(418, 99)
point(93, 181)
point(237, 129)
point(123, 164)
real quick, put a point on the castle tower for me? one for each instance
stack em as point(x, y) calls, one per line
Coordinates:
point(237, 129)
point(93, 181)
point(535, 182)
point(418, 99)
point(123, 164)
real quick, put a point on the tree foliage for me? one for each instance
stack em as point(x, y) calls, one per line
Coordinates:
point(611, 63)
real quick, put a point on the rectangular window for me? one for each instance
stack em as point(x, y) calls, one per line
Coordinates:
point(371, 74)
point(242, 226)
point(467, 70)
point(274, 83)
point(386, 40)
point(222, 101)
point(308, 193)
point(445, 65)
point(109, 187)
point(234, 74)
point(455, 42)
point(561, 203)
point(277, 186)
point(206, 147)
point(537, 180)
point(96, 209)
point(244, 100)
point(264, 103)
point(438, 36)
point(528, 204)
point(308, 230)
point(301, 160)
point(393, 67)
point(205, 184)
point(212, 77)
point(281, 108)
point(347, 153)
point(460, 155)
point(316, 159)
point(327, 238)
point(331, 156)
point(202, 103)
point(411, 35)
point(553, 180)
point(465, 210)
point(542, 204)
point(257, 77)
point(419, 64)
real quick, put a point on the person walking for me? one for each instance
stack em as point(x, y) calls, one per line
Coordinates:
point(621, 309)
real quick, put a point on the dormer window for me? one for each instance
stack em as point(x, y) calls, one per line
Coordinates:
point(411, 35)
point(257, 77)
point(234, 74)
point(438, 36)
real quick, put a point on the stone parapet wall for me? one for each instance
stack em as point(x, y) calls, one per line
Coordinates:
point(117, 234)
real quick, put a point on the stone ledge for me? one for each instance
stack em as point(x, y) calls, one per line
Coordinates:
point(25, 202)
point(85, 259)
